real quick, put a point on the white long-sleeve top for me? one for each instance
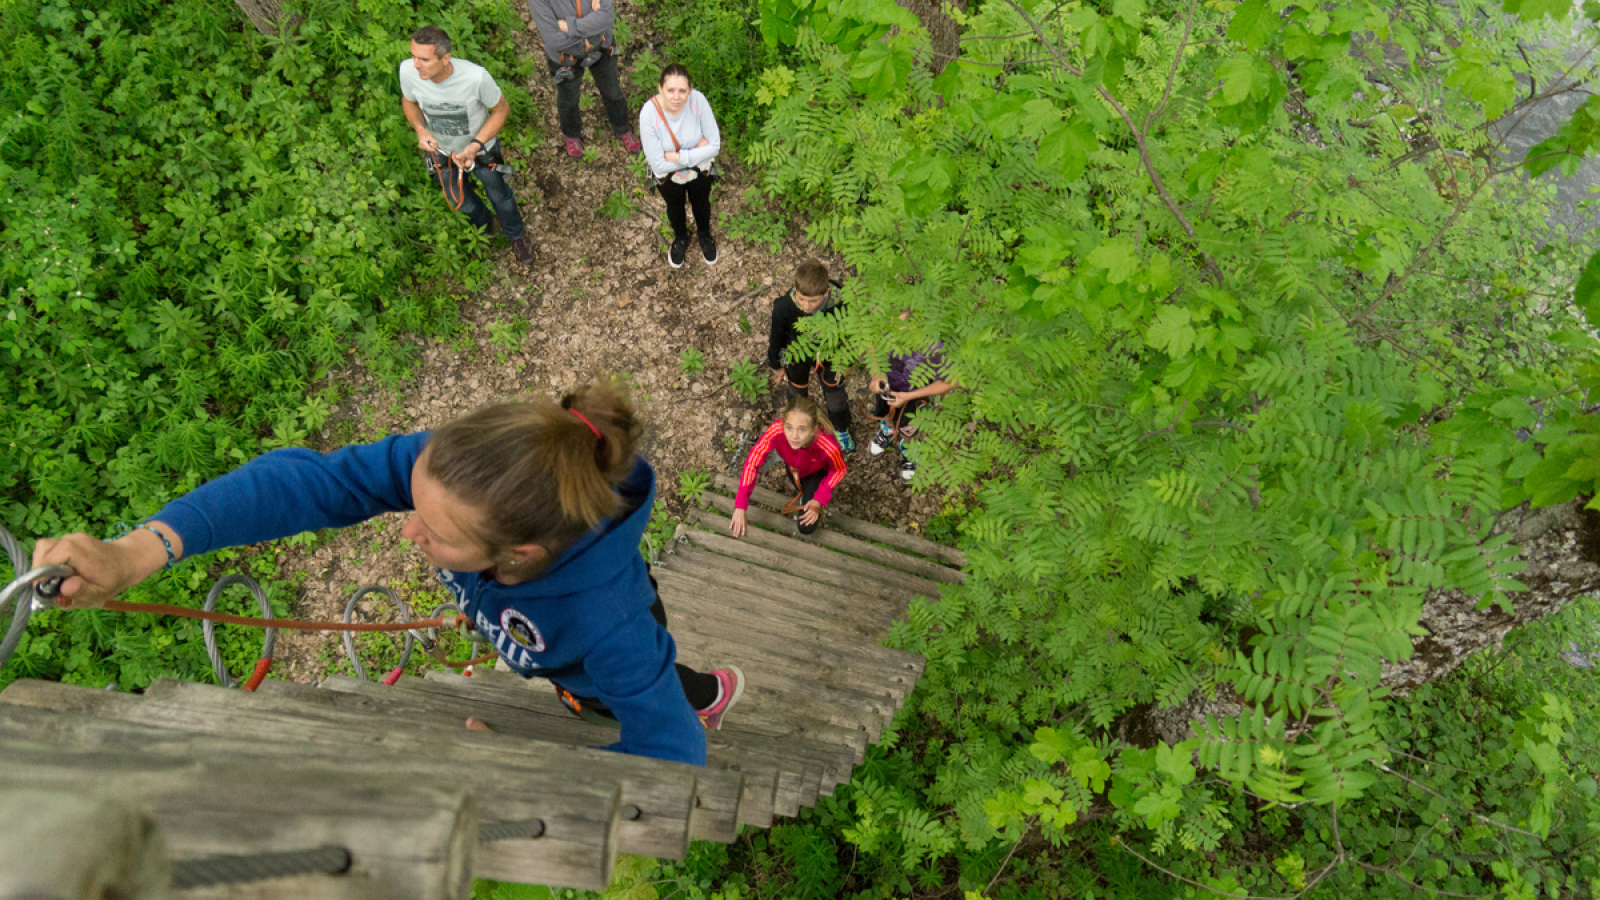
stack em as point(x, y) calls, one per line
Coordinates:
point(696, 121)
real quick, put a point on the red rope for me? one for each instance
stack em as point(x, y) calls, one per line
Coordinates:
point(260, 674)
point(163, 609)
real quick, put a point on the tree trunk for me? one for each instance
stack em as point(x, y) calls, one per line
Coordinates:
point(264, 13)
point(944, 34)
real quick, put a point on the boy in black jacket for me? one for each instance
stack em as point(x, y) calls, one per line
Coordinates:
point(812, 293)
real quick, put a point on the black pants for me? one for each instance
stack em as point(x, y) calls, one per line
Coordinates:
point(605, 78)
point(833, 395)
point(698, 193)
point(699, 687)
point(808, 491)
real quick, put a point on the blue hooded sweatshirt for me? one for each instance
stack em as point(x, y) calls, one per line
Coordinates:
point(584, 622)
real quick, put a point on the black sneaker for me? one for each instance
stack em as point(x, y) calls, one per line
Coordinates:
point(680, 249)
point(708, 249)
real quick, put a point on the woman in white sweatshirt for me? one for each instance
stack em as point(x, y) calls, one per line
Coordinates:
point(680, 140)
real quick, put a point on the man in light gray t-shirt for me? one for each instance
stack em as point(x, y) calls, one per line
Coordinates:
point(457, 110)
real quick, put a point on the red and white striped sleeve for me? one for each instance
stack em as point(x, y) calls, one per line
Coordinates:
point(752, 464)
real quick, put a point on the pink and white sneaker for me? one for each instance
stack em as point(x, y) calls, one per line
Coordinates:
point(732, 681)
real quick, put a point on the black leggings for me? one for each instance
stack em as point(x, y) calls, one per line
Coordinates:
point(808, 490)
point(699, 687)
point(698, 193)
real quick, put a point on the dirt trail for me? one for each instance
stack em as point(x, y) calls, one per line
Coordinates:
point(600, 297)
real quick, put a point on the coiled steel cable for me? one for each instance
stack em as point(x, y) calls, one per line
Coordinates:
point(224, 678)
point(192, 873)
point(24, 599)
point(349, 639)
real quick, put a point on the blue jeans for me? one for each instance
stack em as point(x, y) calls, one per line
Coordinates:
point(605, 78)
point(499, 191)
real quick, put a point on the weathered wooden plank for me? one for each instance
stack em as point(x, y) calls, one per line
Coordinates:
point(298, 887)
point(807, 556)
point(449, 711)
point(73, 844)
point(693, 610)
point(875, 612)
point(857, 527)
point(834, 760)
point(663, 791)
point(831, 628)
point(717, 540)
point(703, 652)
point(666, 831)
point(414, 837)
point(576, 849)
point(839, 541)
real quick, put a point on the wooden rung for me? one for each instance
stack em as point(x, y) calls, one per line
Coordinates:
point(512, 691)
point(77, 843)
point(707, 611)
point(810, 557)
point(717, 540)
point(787, 591)
point(576, 849)
point(838, 541)
point(446, 710)
point(415, 837)
point(663, 791)
point(857, 527)
point(829, 628)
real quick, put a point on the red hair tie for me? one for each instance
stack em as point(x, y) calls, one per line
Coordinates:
point(585, 420)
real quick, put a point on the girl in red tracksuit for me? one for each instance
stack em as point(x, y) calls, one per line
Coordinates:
point(815, 461)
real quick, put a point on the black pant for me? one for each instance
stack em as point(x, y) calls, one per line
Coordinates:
point(698, 193)
point(605, 78)
point(808, 490)
point(833, 395)
point(699, 687)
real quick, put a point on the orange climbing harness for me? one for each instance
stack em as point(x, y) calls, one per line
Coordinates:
point(442, 165)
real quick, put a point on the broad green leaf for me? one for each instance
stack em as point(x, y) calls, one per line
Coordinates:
point(1252, 23)
point(1118, 257)
point(1238, 75)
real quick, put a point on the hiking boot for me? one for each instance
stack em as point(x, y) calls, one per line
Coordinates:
point(881, 440)
point(846, 442)
point(708, 249)
point(731, 681)
point(908, 466)
point(523, 250)
point(630, 143)
point(574, 148)
point(680, 249)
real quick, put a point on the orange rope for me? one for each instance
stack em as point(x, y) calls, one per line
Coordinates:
point(163, 609)
point(459, 195)
point(472, 662)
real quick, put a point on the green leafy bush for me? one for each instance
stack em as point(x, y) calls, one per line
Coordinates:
point(199, 223)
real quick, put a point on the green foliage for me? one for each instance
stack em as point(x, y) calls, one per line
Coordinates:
point(757, 223)
point(200, 224)
point(619, 204)
point(659, 533)
point(749, 380)
point(507, 337)
point(692, 483)
point(1231, 415)
point(692, 362)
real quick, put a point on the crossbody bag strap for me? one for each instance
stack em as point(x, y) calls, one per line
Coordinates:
point(675, 146)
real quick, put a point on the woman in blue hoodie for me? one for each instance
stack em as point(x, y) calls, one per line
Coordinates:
point(554, 580)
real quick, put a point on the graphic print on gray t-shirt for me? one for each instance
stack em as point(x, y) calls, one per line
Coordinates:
point(446, 119)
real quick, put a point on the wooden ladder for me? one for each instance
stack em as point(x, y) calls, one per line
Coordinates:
point(353, 789)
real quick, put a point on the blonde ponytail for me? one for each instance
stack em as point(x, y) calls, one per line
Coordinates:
point(542, 473)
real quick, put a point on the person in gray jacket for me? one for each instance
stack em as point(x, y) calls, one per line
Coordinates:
point(576, 41)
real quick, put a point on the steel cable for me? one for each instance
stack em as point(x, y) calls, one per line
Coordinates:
point(192, 873)
point(218, 666)
point(24, 599)
point(349, 639)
